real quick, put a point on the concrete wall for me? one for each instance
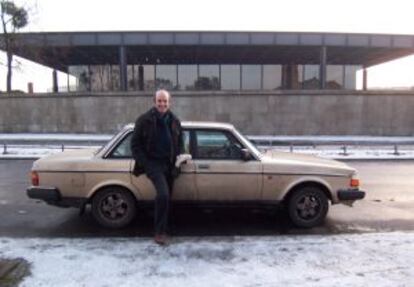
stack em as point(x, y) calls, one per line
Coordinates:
point(376, 113)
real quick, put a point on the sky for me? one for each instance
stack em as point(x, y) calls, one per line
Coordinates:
point(356, 16)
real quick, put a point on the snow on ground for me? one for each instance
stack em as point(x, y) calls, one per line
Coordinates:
point(357, 147)
point(376, 259)
point(53, 137)
point(265, 138)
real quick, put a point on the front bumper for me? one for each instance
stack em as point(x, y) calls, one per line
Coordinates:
point(52, 196)
point(350, 194)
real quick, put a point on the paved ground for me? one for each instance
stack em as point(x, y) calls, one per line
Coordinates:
point(389, 206)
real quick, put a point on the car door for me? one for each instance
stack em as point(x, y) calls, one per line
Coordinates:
point(221, 173)
point(184, 185)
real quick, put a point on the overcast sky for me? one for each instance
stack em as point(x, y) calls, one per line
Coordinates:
point(394, 17)
point(367, 16)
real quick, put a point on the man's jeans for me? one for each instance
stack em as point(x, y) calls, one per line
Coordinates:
point(159, 172)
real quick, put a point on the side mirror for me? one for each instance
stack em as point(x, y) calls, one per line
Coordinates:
point(182, 158)
point(246, 155)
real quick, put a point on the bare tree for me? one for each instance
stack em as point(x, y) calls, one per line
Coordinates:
point(13, 18)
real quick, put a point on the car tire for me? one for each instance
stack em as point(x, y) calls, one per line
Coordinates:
point(114, 207)
point(308, 206)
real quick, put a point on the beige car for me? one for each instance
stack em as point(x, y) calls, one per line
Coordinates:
point(219, 167)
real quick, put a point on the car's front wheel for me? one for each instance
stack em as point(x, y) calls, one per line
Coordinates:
point(308, 206)
point(114, 207)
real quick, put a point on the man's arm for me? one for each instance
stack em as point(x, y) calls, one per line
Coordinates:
point(137, 147)
point(181, 147)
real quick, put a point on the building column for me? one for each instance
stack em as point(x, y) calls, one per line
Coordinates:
point(290, 76)
point(364, 79)
point(55, 82)
point(140, 78)
point(123, 72)
point(322, 68)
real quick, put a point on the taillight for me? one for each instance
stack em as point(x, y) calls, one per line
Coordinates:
point(35, 178)
point(354, 183)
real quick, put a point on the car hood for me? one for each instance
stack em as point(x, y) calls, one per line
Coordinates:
point(286, 162)
point(70, 159)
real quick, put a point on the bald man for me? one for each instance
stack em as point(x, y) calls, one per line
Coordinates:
point(156, 141)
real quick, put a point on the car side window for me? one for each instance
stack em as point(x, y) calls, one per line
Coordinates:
point(213, 144)
point(123, 149)
point(186, 140)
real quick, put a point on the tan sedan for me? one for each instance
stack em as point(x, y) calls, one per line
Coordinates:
point(219, 167)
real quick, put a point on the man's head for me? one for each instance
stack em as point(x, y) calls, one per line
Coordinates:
point(162, 101)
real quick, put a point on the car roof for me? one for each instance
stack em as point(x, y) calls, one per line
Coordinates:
point(195, 124)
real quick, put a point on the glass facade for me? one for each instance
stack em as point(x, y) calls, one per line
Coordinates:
point(230, 77)
point(208, 77)
point(311, 77)
point(187, 77)
point(272, 77)
point(101, 78)
point(83, 78)
point(334, 77)
point(166, 77)
point(251, 77)
point(351, 75)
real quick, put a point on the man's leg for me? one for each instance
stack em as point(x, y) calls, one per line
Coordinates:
point(162, 200)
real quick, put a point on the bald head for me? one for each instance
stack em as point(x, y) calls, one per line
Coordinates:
point(162, 101)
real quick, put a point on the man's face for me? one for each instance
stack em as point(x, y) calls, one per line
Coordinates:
point(162, 102)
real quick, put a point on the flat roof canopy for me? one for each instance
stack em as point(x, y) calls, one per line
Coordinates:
point(62, 49)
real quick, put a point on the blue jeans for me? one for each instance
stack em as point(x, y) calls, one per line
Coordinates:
point(159, 172)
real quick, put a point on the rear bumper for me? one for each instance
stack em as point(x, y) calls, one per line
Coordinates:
point(350, 194)
point(44, 193)
point(52, 196)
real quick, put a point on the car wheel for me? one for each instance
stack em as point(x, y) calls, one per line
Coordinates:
point(114, 207)
point(308, 207)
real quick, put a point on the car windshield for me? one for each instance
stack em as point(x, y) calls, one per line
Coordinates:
point(108, 143)
point(249, 144)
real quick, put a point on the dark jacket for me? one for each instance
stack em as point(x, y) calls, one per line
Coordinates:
point(143, 144)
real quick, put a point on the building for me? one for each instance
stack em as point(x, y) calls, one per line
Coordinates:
point(273, 67)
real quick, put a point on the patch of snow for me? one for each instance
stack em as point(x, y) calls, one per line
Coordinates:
point(381, 259)
point(23, 152)
point(54, 137)
point(325, 146)
point(336, 139)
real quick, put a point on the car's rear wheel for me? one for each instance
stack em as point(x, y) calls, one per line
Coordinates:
point(308, 206)
point(114, 207)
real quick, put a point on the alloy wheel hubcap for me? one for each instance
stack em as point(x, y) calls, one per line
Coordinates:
point(308, 207)
point(114, 206)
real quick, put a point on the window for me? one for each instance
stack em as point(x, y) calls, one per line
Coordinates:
point(148, 77)
point(186, 140)
point(132, 72)
point(230, 77)
point(187, 77)
point(83, 77)
point(123, 149)
point(216, 145)
point(351, 77)
point(166, 77)
point(209, 78)
point(334, 77)
point(100, 77)
point(115, 76)
point(272, 77)
point(251, 77)
point(311, 77)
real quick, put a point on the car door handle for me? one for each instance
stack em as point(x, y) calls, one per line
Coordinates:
point(203, 166)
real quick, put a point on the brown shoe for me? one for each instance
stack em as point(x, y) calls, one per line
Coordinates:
point(161, 239)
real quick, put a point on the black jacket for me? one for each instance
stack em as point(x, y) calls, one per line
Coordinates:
point(143, 139)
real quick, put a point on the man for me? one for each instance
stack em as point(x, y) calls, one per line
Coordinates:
point(155, 144)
